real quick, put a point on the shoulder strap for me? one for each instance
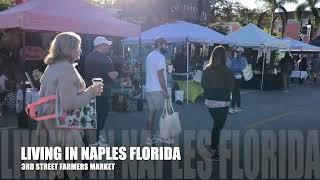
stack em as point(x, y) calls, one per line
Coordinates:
point(31, 109)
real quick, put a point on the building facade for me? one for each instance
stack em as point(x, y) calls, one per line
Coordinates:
point(296, 29)
point(150, 13)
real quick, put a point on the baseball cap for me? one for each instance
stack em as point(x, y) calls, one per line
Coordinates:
point(101, 40)
point(239, 49)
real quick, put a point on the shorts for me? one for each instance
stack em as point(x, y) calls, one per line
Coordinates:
point(155, 100)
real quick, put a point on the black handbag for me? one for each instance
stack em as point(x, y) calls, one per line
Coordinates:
point(119, 103)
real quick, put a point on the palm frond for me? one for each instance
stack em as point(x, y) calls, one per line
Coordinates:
point(316, 16)
point(284, 19)
point(300, 11)
point(284, 14)
point(291, 1)
point(261, 18)
point(311, 3)
point(269, 3)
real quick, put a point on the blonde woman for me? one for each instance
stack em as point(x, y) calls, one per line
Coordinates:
point(62, 77)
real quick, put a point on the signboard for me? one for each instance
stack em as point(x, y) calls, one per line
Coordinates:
point(194, 10)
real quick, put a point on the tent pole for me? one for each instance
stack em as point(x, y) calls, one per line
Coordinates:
point(188, 71)
point(262, 75)
point(140, 103)
point(133, 53)
point(123, 50)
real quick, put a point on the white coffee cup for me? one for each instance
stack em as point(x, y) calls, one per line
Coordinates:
point(96, 81)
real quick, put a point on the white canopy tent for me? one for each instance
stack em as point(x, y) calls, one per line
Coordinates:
point(180, 32)
point(253, 37)
point(297, 46)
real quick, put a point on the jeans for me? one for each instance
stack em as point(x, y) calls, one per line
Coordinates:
point(219, 116)
point(285, 81)
point(236, 98)
point(102, 112)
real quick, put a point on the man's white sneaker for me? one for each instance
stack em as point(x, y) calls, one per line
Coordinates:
point(152, 141)
point(99, 144)
point(149, 141)
point(237, 109)
point(231, 111)
point(102, 142)
point(96, 144)
point(168, 141)
point(102, 139)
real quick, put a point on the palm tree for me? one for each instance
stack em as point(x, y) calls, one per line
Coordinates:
point(274, 5)
point(4, 4)
point(309, 8)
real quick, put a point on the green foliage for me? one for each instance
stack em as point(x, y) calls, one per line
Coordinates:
point(4, 4)
point(219, 27)
point(272, 5)
point(308, 9)
point(232, 11)
point(245, 16)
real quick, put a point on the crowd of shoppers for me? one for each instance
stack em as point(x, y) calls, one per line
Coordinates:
point(221, 81)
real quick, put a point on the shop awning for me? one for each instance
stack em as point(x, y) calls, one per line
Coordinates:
point(180, 31)
point(65, 15)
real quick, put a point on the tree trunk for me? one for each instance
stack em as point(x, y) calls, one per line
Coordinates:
point(313, 32)
point(272, 22)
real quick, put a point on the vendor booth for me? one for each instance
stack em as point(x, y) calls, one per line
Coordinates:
point(266, 76)
point(29, 27)
point(188, 35)
point(59, 15)
point(299, 46)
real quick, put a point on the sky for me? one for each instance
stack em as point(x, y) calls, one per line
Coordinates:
point(256, 4)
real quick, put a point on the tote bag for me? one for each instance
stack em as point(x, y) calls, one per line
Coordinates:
point(198, 76)
point(247, 73)
point(83, 118)
point(169, 121)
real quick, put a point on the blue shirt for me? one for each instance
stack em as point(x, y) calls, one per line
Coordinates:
point(237, 64)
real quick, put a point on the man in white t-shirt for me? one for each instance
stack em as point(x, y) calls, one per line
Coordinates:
point(156, 84)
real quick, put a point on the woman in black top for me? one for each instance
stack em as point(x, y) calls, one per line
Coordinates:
point(217, 81)
point(303, 66)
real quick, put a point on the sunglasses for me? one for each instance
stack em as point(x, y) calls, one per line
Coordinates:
point(79, 51)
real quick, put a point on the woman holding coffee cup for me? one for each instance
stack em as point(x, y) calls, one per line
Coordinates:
point(62, 78)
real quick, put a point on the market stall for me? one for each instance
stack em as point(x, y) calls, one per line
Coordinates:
point(33, 24)
point(299, 46)
point(184, 33)
point(59, 15)
point(251, 36)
